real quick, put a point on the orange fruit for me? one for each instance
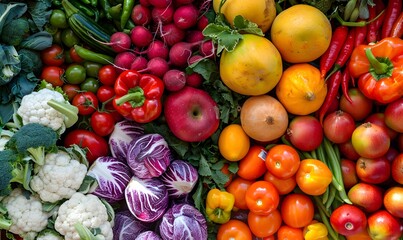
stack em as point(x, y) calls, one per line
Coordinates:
point(301, 89)
point(233, 143)
point(301, 33)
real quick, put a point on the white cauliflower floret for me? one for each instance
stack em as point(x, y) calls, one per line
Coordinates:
point(59, 178)
point(87, 210)
point(25, 212)
point(49, 234)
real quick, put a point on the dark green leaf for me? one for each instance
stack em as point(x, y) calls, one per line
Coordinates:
point(204, 167)
point(11, 11)
point(37, 41)
point(40, 12)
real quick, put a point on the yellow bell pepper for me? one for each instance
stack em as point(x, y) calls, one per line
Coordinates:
point(316, 231)
point(219, 205)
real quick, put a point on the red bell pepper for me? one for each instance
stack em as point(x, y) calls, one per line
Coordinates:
point(138, 96)
point(379, 69)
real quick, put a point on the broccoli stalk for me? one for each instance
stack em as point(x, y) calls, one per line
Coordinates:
point(5, 223)
point(34, 139)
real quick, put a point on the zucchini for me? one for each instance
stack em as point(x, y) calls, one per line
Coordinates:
point(89, 31)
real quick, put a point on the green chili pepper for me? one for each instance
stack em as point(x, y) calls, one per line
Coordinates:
point(126, 12)
point(94, 3)
point(115, 11)
point(92, 56)
point(86, 1)
point(105, 5)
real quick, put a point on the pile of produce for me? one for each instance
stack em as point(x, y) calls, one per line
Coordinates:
point(201, 119)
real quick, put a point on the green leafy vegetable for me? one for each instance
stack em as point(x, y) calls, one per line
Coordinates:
point(10, 64)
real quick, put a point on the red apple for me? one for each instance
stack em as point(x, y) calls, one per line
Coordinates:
point(347, 150)
point(349, 173)
point(348, 220)
point(373, 170)
point(191, 114)
point(400, 142)
point(370, 140)
point(383, 225)
point(394, 115)
point(367, 196)
point(305, 132)
point(379, 119)
point(393, 201)
point(397, 168)
point(338, 126)
point(360, 107)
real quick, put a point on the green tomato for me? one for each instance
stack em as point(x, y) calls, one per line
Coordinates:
point(90, 85)
point(69, 38)
point(92, 68)
point(58, 19)
point(75, 74)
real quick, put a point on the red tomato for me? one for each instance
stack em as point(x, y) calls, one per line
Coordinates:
point(348, 220)
point(282, 161)
point(53, 75)
point(74, 56)
point(86, 102)
point(105, 93)
point(53, 55)
point(286, 232)
point(234, 230)
point(71, 90)
point(226, 171)
point(107, 75)
point(111, 109)
point(252, 166)
point(283, 186)
point(297, 210)
point(102, 123)
point(238, 187)
point(264, 225)
point(262, 197)
point(96, 145)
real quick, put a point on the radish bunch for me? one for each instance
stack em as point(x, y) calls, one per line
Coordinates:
point(166, 39)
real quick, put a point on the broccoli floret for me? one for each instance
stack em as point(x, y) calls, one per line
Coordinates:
point(15, 31)
point(34, 139)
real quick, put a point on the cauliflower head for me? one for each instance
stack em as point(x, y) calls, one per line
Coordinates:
point(59, 178)
point(34, 108)
point(85, 209)
point(26, 214)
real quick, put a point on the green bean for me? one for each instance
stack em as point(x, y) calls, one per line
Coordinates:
point(332, 195)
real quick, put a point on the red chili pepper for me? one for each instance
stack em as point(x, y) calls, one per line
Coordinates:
point(328, 58)
point(332, 91)
point(345, 80)
point(397, 28)
point(346, 50)
point(392, 12)
point(360, 35)
point(373, 27)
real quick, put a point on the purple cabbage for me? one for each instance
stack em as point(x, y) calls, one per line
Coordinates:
point(149, 156)
point(147, 199)
point(148, 235)
point(179, 178)
point(126, 225)
point(183, 221)
point(112, 176)
point(124, 132)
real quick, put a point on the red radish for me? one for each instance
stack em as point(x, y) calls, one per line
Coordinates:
point(185, 16)
point(157, 49)
point(194, 80)
point(171, 34)
point(141, 15)
point(156, 66)
point(207, 49)
point(119, 42)
point(182, 2)
point(305, 132)
point(180, 53)
point(145, 3)
point(202, 23)
point(174, 80)
point(160, 3)
point(194, 36)
point(163, 15)
point(139, 63)
point(195, 59)
point(123, 61)
point(141, 36)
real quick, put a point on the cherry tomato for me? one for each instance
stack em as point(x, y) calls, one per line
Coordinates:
point(313, 176)
point(252, 166)
point(107, 75)
point(262, 197)
point(70, 90)
point(58, 19)
point(234, 230)
point(69, 38)
point(348, 220)
point(282, 161)
point(96, 145)
point(92, 68)
point(75, 74)
point(283, 186)
point(90, 84)
point(105, 93)
point(286, 232)
point(53, 75)
point(264, 225)
point(86, 102)
point(297, 210)
point(102, 123)
point(74, 56)
point(53, 55)
point(238, 187)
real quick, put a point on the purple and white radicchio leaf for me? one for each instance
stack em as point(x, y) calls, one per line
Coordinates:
point(147, 199)
point(112, 176)
point(124, 132)
point(148, 235)
point(126, 225)
point(181, 222)
point(179, 178)
point(149, 156)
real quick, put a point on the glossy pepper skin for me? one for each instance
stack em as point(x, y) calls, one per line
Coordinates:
point(316, 231)
point(219, 205)
point(138, 96)
point(379, 69)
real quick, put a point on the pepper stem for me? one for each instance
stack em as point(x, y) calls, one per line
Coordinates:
point(380, 67)
point(135, 97)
